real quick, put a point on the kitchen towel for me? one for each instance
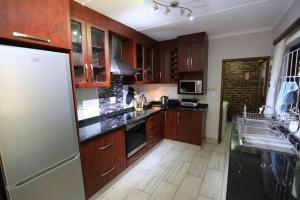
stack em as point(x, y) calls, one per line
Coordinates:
point(286, 96)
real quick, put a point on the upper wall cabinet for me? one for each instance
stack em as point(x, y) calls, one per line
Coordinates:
point(192, 50)
point(90, 54)
point(39, 22)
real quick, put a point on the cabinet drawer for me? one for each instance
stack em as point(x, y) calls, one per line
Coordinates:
point(102, 158)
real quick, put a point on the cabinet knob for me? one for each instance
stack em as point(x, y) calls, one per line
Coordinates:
point(86, 72)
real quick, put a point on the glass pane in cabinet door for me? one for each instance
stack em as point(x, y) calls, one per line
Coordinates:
point(149, 63)
point(140, 62)
point(77, 52)
point(98, 55)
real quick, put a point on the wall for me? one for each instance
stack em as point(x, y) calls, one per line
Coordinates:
point(291, 15)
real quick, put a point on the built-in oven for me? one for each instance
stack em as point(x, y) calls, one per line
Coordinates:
point(135, 136)
point(190, 87)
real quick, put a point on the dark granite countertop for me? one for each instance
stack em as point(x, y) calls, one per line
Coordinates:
point(257, 174)
point(93, 127)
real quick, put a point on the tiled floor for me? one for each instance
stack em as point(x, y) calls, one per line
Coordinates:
point(174, 171)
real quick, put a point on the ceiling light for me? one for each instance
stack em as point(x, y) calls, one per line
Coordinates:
point(167, 11)
point(173, 4)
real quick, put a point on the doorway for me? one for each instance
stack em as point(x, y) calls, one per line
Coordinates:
point(244, 81)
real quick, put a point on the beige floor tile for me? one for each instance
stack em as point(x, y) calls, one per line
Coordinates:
point(204, 153)
point(188, 155)
point(189, 188)
point(136, 194)
point(212, 184)
point(177, 172)
point(222, 148)
point(165, 191)
point(198, 166)
point(149, 183)
point(118, 191)
point(208, 146)
point(171, 158)
point(200, 197)
point(217, 161)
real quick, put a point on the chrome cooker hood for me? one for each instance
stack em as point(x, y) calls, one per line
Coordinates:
point(117, 66)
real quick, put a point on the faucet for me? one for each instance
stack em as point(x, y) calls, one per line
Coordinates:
point(262, 109)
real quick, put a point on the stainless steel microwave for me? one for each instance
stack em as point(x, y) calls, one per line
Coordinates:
point(190, 87)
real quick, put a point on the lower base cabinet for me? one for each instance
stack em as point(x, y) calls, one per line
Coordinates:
point(154, 129)
point(102, 159)
point(185, 126)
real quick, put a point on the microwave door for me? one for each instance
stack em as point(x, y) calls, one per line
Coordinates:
point(187, 87)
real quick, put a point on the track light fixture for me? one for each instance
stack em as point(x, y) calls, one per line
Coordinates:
point(174, 4)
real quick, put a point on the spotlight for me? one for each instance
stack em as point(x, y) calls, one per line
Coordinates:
point(190, 17)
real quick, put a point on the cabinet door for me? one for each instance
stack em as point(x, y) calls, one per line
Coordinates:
point(164, 65)
point(140, 61)
point(80, 66)
point(189, 125)
point(183, 57)
point(40, 22)
point(197, 57)
point(170, 124)
point(149, 64)
point(98, 56)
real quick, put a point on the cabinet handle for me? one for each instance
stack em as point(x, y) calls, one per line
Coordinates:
point(191, 62)
point(178, 116)
point(30, 37)
point(105, 147)
point(109, 171)
point(86, 73)
point(188, 62)
point(160, 76)
point(92, 72)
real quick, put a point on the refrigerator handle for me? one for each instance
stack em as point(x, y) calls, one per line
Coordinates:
point(43, 172)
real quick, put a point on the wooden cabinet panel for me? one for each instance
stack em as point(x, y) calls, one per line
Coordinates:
point(170, 128)
point(197, 57)
point(154, 129)
point(183, 57)
point(189, 127)
point(47, 19)
point(102, 159)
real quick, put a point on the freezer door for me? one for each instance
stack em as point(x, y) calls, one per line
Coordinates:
point(37, 120)
point(61, 183)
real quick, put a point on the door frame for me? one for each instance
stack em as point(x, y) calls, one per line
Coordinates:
point(267, 58)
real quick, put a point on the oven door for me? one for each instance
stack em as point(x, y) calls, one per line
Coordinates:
point(135, 139)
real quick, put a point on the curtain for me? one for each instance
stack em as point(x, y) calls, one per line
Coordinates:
point(275, 73)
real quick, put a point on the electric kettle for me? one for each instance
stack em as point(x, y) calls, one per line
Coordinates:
point(164, 100)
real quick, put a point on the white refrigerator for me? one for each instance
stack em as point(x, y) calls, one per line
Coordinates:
point(39, 151)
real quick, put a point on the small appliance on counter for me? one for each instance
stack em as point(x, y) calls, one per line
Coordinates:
point(139, 101)
point(174, 103)
point(193, 103)
point(164, 101)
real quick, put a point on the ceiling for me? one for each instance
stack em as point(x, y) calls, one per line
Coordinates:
point(218, 18)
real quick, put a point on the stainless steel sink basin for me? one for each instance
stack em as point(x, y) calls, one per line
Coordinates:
point(258, 134)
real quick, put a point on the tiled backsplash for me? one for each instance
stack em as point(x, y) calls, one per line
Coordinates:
point(105, 95)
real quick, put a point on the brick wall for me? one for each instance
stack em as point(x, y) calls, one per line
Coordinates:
point(237, 90)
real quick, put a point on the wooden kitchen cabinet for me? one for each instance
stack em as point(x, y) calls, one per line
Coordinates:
point(90, 54)
point(189, 127)
point(154, 129)
point(192, 52)
point(37, 22)
point(168, 61)
point(170, 128)
point(102, 159)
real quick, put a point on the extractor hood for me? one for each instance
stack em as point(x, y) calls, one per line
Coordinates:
point(117, 66)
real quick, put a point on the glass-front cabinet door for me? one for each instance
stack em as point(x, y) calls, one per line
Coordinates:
point(90, 56)
point(149, 64)
point(79, 65)
point(140, 62)
point(97, 56)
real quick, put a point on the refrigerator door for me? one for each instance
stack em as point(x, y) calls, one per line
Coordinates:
point(37, 122)
point(61, 183)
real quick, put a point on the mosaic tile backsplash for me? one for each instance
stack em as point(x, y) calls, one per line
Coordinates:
point(115, 90)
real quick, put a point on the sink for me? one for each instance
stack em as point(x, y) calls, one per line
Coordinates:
point(258, 134)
